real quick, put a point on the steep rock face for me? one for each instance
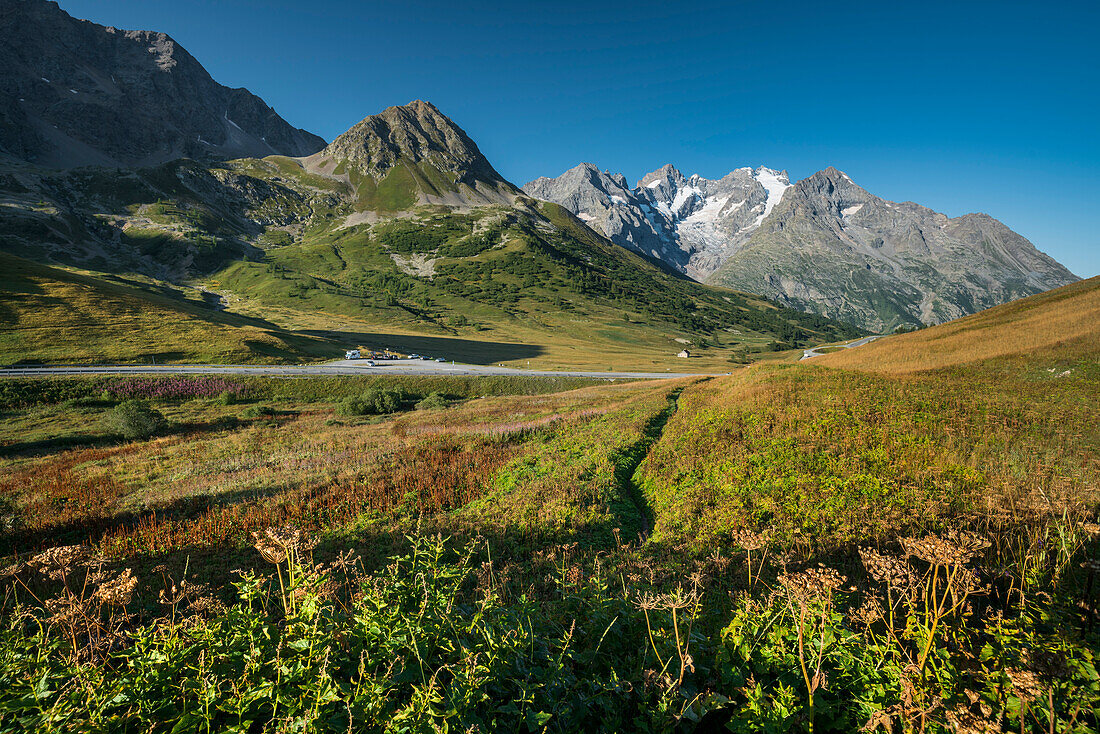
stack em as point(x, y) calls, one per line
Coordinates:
point(831, 247)
point(76, 93)
point(413, 154)
point(690, 223)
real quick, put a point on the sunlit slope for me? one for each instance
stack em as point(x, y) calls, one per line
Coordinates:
point(55, 315)
point(1064, 322)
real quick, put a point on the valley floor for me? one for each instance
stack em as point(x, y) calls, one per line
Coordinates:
point(788, 548)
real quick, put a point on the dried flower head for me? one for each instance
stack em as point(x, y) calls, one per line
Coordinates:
point(886, 569)
point(1090, 529)
point(1026, 683)
point(869, 612)
point(11, 570)
point(276, 544)
point(118, 590)
point(812, 583)
point(748, 539)
point(1050, 664)
point(963, 721)
point(957, 550)
point(58, 562)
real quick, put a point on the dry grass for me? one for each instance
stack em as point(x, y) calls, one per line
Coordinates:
point(1064, 320)
point(207, 487)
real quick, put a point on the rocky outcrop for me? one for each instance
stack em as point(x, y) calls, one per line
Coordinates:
point(77, 93)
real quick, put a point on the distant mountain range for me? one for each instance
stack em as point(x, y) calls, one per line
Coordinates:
point(75, 93)
point(822, 245)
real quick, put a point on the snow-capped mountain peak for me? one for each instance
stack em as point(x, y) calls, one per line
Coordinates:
point(690, 222)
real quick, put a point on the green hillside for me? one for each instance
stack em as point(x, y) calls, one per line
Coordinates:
point(49, 314)
point(294, 248)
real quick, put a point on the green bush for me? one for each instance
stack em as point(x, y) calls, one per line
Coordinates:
point(433, 401)
point(227, 397)
point(376, 401)
point(134, 419)
point(257, 411)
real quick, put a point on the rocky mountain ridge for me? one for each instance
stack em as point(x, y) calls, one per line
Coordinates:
point(823, 244)
point(75, 93)
point(691, 223)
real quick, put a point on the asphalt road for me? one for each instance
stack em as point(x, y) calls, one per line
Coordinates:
point(339, 367)
point(857, 343)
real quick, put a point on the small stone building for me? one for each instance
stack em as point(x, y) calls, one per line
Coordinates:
point(684, 353)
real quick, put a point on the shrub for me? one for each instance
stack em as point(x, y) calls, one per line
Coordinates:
point(225, 397)
point(433, 401)
point(134, 419)
point(257, 411)
point(375, 401)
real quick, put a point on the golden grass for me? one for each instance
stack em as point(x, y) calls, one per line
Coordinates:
point(57, 315)
point(1061, 320)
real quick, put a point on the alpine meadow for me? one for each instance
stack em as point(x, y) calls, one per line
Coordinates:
point(360, 436)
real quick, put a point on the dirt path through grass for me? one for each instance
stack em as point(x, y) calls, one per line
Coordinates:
point(628, 461)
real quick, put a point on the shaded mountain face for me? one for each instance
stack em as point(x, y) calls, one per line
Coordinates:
point(833, 248)
point(413, 155)
point(77, 93)
point(691, 223)
point(823, 245)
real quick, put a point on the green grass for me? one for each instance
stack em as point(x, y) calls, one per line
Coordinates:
point(56, 315)
point(273, 235)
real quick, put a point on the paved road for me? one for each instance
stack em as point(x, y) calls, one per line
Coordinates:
point(857, 343)
point(339, 367)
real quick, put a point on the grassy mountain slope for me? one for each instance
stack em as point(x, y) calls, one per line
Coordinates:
point(1062, 323)
point(49, 314)
point(390, 232)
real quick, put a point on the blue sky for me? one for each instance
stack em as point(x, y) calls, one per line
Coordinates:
point(962, 106)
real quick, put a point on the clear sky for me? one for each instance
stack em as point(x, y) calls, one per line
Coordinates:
point(960, 106)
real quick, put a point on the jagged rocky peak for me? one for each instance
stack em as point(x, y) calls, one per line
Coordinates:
point(73, 92)
point(581, 188)
point(417, 155)
point(414, 133)
point(823, 244)
point(688, 222)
